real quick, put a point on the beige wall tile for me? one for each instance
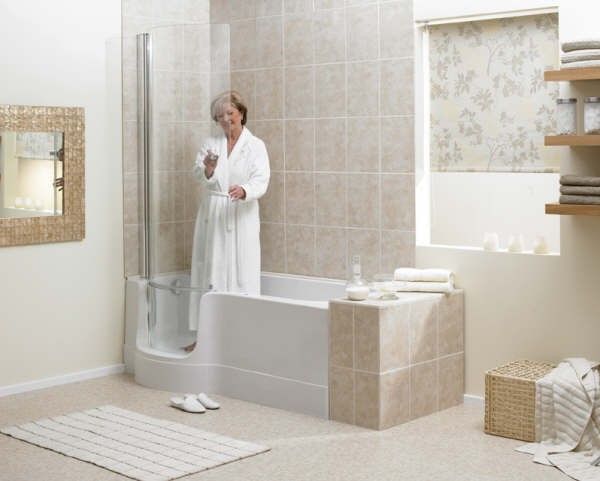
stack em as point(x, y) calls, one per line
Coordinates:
point(194, 135)
point(196, 11)
point(188, 243)
point(363, 89)
point(423, 331)
point(397, 31)
point(297, 6)
point(299, 92)
point(394, 392)
point(244, 82)
point(130, 199)
point(397, 87)
point(330, 148)
point(169, 104)
point(271, 133)
point(397, 144)
point(269, 42)
point(196, 97)
point(363, 200)
point(299, 144)
point(170, 247)
point(321, 4)
point(167, 48)
point(162, 196)
point(452, 321)
point(331, 252)
point(179, 200)
point(299, 39)
point(130, 94)
point(136, 8)
point(130, 152)
point(241, 9)
point(341, 395)
point(366, 338)
point(192, 197)
point(398, 201)
point(366, 400)
point(168, 147)
point(451, 381)
point(220, 11)
point(268, 7)
point(197, 47)
point(330, 36)
point(220, 48)
point(243, 44)
point(363, 144)
point(361, 32)
point(299, 198)
point(131, 249)
point(423, 392)
point(300, 249)
point(269, 94)
point(272, 247)
point(330, 195)
point(365, 243)
point(271, 204)
point(397, 249)
point(330, 90)
point(167, 9)
point(394, 337)
point(341, 335)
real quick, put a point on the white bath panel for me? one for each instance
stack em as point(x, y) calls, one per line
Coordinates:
point(132, 444)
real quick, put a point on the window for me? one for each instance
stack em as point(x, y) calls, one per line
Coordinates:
point(487, 111)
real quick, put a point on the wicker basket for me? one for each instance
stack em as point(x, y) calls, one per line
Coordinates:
point(510, 399)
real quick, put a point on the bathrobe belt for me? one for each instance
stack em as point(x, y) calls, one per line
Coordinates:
point(230, 218)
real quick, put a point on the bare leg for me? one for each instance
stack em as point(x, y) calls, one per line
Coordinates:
point(190, 348)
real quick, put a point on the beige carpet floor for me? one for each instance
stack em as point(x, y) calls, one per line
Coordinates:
point(446, 446)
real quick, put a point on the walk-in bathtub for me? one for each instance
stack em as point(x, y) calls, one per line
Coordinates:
point(270, 349)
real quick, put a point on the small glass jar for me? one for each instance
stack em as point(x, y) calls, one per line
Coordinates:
point(591, 115)
point(566, 113)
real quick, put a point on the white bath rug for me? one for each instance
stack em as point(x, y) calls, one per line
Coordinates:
point(137, 446)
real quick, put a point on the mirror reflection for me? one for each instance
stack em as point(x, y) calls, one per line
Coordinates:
point(31, 174)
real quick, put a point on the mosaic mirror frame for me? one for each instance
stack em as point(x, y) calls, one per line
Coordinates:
point(70, 226)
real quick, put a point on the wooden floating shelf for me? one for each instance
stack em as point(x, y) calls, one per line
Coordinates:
point(589, 73)
point(572, 209)
point(573, 140)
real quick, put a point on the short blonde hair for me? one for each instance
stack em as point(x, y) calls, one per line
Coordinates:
point(232, 97)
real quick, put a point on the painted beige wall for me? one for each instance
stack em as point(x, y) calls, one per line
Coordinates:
point(61, 305)
point(525, 306)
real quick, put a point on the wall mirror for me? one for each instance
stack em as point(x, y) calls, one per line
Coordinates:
point(41, 174)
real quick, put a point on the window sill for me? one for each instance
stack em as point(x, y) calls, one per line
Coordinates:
point(480, 249)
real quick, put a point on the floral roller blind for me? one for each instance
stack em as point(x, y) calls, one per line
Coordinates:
point(490, 107)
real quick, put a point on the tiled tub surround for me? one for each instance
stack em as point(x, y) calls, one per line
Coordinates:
point(394, 361)
point(329, 88)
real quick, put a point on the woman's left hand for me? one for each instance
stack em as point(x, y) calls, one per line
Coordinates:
point(237, 192)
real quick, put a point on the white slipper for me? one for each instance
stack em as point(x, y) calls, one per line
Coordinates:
point(207, 402)
point(189, 403)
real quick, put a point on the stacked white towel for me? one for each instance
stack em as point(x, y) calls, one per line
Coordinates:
point(409, 279)
point(580, 53)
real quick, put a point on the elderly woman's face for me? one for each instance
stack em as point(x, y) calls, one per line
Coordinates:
point(229, 118)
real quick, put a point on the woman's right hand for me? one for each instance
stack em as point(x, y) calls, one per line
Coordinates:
point(210, 163)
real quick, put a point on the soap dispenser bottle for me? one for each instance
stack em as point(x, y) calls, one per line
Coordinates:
point(357, 288)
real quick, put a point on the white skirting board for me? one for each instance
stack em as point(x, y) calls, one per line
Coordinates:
point(63, 379)
point(472, 400)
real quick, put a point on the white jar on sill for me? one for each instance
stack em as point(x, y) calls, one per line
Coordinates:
point(566, 116)
point(591, 115)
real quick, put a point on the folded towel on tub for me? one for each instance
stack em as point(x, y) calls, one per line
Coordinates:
point(579, 190)
point(579, 199)
point(580, 180)
point(581, 64)
point(407, 286)
point(581, 44)
point(423, 275)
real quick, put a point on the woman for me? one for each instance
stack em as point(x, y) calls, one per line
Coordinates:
point(234, 167)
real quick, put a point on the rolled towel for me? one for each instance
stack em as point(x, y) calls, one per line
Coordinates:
point(580, 180)
point(403, 286)
point(581, 44)
point(577, 55)
point(580, 199)
point(423, 275)
point(581, 64)
point(579, 190)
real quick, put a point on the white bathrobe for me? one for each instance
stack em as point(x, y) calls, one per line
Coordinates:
point(226, 252)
